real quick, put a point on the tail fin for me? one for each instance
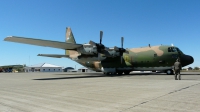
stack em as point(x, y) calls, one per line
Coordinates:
point(70, 36)
point(69, 39)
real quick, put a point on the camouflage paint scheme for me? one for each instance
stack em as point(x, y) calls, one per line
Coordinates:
point(149, 58)
point(109, 60)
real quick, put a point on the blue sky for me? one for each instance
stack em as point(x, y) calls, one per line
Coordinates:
point(141, 22)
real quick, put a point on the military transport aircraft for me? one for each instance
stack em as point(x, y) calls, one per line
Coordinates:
point(116, 60)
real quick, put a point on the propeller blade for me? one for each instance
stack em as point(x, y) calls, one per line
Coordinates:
point(121, 59)
point(122, 41)
point(101, 36)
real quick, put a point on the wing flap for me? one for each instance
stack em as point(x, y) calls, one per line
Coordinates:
point(40, 42)
point(54, 55)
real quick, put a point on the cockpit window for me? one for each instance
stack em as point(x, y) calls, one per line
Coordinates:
point(179, 50)
point(172, 49)
point(169, 49)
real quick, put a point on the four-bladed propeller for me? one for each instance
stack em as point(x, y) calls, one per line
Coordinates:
point(101, 48)
point(121, 50)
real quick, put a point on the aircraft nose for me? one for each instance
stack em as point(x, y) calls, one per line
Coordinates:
point(191, 59)
point(186, 60)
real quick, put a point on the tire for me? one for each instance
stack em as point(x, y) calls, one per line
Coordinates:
point(119, 73)
point(126, 72)
point(107, 73)
point(169, 72)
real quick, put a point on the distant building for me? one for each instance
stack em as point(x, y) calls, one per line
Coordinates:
point(187, 68)
point(12, 68)
point(84, 69)
point(69, 69)
point(43, 67)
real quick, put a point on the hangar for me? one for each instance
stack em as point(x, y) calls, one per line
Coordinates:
point(69, 69)
point(43, 67)
point(11, 68)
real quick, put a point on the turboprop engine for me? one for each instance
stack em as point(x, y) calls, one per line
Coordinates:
point(87, 49)
point(107, 52)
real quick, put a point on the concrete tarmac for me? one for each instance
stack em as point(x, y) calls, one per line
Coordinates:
point(94, 92)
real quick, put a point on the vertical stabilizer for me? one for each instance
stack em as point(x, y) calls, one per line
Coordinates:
point(69, 39)
point(70, 36)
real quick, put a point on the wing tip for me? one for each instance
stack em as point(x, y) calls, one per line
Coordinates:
point(8, 37)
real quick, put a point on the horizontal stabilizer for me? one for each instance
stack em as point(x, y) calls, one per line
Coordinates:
point(54, 55)
point(46, 43)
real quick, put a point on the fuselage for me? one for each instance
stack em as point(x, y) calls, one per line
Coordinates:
point(137, 59)
point(118, 60)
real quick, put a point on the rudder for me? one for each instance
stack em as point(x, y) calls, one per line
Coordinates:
point(69, 39)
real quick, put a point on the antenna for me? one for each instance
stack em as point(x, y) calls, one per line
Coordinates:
point(29, 60)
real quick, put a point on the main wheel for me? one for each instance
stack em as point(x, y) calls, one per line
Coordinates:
point(127, 72)
point(119, 73)
point(107, 73)
point(170, 72)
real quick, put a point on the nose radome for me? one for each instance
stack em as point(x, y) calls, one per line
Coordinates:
point(191, 59)
point(186, 60)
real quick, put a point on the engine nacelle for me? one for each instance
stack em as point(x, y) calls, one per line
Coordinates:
point(111, 53)
point(87, 49)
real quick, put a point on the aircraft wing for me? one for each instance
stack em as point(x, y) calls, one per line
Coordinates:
point(40, 42)
point(54, 55)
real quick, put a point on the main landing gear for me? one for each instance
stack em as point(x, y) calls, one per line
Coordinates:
point(117, 73)
point(169, 72)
